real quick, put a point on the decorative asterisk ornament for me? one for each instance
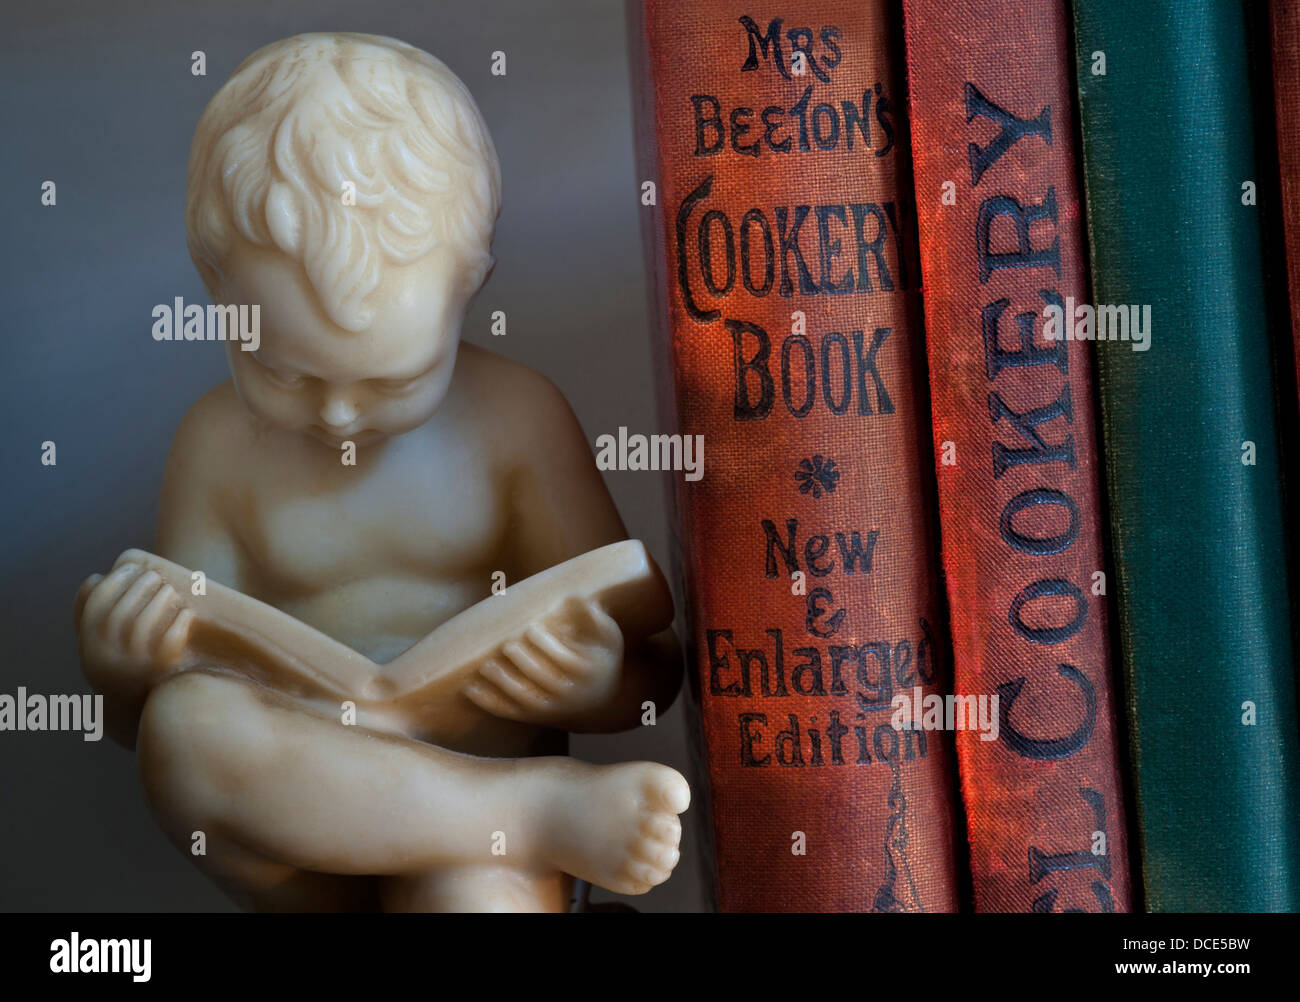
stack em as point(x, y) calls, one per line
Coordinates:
point(816, 475)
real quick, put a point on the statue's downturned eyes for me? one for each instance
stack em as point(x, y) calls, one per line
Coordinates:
point(396, 387)
point(289, 380)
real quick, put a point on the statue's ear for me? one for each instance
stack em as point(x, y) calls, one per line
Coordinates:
point(481, 273)
point(215, 281)
point(284, 219)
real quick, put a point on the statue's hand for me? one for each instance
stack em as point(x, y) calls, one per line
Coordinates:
point(132, 626)
point(566, 663)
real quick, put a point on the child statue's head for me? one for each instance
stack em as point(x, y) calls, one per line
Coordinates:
point(347, 185)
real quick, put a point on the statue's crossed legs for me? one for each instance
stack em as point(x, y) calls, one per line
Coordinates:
point(288, 808)
point(291, 805)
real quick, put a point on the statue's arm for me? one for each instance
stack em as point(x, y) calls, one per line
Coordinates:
point(562, 508)
point(133, 626)
point(147, 617)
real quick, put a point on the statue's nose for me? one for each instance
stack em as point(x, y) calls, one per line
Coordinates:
point(337, 410)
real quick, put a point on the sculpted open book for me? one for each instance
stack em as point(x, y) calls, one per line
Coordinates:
point(525, 653)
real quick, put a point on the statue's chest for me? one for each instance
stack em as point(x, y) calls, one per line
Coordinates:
point(395, 518)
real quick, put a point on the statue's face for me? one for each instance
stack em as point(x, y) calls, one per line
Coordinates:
point(311, 376)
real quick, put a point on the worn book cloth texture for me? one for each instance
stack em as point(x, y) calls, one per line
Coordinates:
point(1191, 452)
point(1284, 16)
point(1015, 436)
point(788, 281)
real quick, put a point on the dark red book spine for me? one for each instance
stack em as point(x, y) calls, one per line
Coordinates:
point(1015, 438)
point(786, 289)
point(1284, 17)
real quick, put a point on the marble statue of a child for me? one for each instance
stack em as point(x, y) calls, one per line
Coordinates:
point(348, 186)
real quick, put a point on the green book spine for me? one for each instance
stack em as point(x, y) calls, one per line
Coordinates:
point(1192, 452)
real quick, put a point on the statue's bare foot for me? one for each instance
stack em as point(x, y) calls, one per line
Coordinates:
point(615, 826)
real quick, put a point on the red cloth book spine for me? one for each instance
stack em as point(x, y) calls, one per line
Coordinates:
point(1284, 18)
point(1015, 438)
point(777, 192)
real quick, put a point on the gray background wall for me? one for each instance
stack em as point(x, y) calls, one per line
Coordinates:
point(98, 97)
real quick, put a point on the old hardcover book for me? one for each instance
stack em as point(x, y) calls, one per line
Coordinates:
point(778, 202)
point(1191, 451)
point(998, 204)
point(1284, 25)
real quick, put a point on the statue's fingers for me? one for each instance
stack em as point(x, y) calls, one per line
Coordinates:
point(135, 598)
point(526, 693)
point(591, 624)
point(83, 593)
point(537, 665)
point(157, 614)
point(555, 650)
point(176, 636)
point(103, 597)
point(489, 698)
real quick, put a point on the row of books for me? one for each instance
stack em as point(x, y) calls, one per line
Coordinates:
point(982, 309)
